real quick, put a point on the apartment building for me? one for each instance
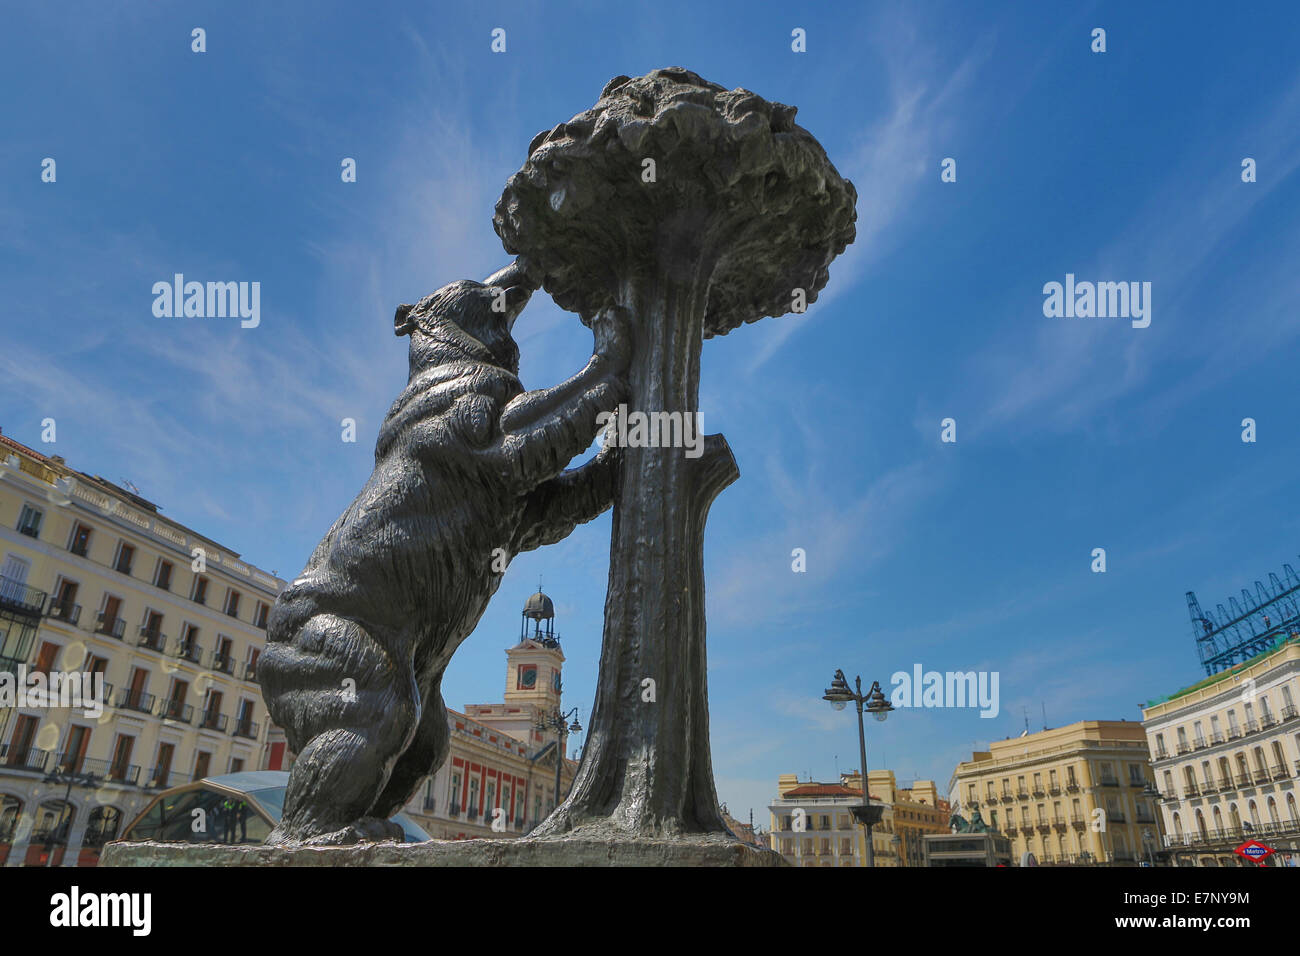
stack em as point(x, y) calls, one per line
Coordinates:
point(1226, 753)
point(1082, 794)
point(812, 823)
point(95, 581)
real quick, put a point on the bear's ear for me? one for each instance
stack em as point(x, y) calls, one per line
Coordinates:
point(403, 324)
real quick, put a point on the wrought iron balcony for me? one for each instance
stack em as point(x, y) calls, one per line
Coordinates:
point(64, 610)
point(136, 700)
point(1054, 789)
point(1109, 782)
point(123, 773)
point(1058, 822)
point(24, 758)
point(189, 651)
point(1191, 790)
point(223, 663)
point(1267, 721)
point(1022, 793)
point(1077, 821)
point(1251, 726)
point(1243, 779)
point(1038, 790)
point(1261, 776)
point(1234, 733)
point(1162, 753)
point(1007, 796)
point(213, 720)
point(18, 598)
point(1184, 747)
point(1289, 712)
point(1071, 786)
point(245, 728)
point(430, 803)
point(109, 626)
point(1199, 743)
point(250, 671)
point(151, 638)
point(1216, 737)
point(175, 710)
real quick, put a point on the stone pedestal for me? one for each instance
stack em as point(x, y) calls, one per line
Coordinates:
point(480, 853)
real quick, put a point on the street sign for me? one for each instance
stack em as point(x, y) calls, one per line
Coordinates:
point(1254, 851)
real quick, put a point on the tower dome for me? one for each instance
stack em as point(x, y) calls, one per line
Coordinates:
point(539, 608)
point(541, 612)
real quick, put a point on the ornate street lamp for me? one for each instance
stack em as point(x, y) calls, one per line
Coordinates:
point(556, 722)
point(839, 694)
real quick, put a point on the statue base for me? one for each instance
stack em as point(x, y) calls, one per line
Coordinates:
point(571, 851)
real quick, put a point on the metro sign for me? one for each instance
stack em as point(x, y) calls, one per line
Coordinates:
point(1254, 851)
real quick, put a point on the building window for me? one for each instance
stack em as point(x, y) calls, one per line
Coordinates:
point(79, 544)
point(124, 559)
point(259, 615)
point(232, 603)
point(162, 576)
point(29, 521)
point(200, 595)
point(202, 761)
point(236, 764)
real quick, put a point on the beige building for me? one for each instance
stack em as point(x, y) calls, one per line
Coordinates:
point(1226, 754)
point(1077, 794)
point(96, 583)
point(917, 810)
point(813, 824)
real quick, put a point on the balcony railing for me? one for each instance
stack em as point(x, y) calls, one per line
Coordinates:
point(1243, 779)
point(151, 638)
point(1077, 821)
point(245, 728)
point(1191, 790)
point(1109, 782)
point(1058, 822)
point(1266, 721)
point(1184, 747)
point(430, 804)
point(24, 758)
point(64, 610)
point(1234, 733)
point(1289, 712)
point(1054, 789)
point(250, 671)
point(1116, 817)
point(189, 651)
point(455, 810)
point(136, 700)
point(1200, 743)
point(1261, 776)
point(1022, 793)
point(213, 720)
point(1007, 796)
point(1216, 737)
point(175, 710)
point(20, 599)
point(1039, 791)
point(1252, 726)
point(1162, 753)
point(109, 626)
point(1071, 786)
point(123, 773)
point(223, 663)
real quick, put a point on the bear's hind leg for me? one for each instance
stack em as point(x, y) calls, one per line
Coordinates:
point(349, 709)
point(423, 757)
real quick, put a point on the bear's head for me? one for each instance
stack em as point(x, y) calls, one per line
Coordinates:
point(462, 321)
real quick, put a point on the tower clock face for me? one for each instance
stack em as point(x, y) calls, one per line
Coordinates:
point(527, 678)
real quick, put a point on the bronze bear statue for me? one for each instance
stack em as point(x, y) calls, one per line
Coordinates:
point(469, 472)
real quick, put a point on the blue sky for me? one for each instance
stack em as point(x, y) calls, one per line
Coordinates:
point(1072, 433)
